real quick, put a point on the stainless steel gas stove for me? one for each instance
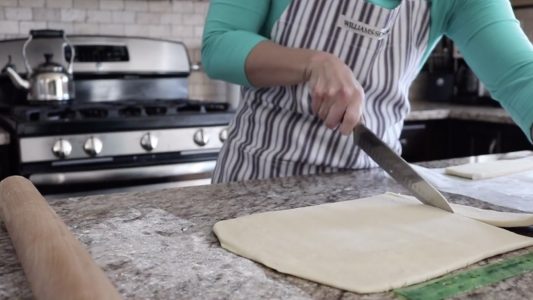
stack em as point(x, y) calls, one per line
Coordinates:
point(131, 122)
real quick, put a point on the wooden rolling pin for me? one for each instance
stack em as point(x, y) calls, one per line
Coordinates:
point(54, 261)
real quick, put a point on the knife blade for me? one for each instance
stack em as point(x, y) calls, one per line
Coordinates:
point(398, 168)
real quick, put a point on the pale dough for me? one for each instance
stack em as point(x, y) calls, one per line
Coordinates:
point(496, 218)
point(368, 245)
point(491, 169)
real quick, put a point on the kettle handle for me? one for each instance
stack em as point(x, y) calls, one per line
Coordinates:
point(47, 33)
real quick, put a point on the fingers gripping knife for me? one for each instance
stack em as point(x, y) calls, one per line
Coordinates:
point(398, 168)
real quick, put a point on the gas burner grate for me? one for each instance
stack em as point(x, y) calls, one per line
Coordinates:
point(93, 113)
point(190, 107)
point(130, 111)
point(66, 114)
point(156, 110)
point(115, 110)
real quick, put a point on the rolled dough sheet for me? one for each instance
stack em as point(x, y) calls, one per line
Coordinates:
point(491, 169)
point(496, 218)
point(368, 245)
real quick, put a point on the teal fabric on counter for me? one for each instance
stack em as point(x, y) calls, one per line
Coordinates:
point(486, 32)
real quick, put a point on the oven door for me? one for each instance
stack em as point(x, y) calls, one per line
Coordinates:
point(82, 183)
point(121, 174)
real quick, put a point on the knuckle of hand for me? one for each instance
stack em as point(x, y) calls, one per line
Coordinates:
point(330, 124)
point(345, 131)
point(360, 91)
point(349, 91)
point(350, 119)
point(318, 92)
point(343, 100)
point(332, 92)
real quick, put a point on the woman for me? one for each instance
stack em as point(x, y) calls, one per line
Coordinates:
point(311, 69)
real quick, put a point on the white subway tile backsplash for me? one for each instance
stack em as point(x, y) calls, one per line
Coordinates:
point(9, 27)
point(171, 19)
point(99, 16)
point(86, 4)
point(86, 28)
point(195, 19)
point(148, 18)
point(112, 29)
point(68, 27)
point(198, 31)
point(60, 3)
point(123, 17)
point(159, 6)
point(180, 20)
point(31, 3)
point(18, 13)
point(14, 36)
point(135, 5)
point(183, 30)
point(158, 30)
point(201, 8)
point(8, 3)
point(26, 26)
point(46, 14)
point(111, 4)
point(191, 42)
point(183, 6)
point(73, 15)
point(136, 30)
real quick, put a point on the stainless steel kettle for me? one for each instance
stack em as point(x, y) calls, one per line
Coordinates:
point(49, 81)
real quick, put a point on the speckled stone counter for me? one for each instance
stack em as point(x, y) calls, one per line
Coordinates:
point(423, 111)
point(159, 244)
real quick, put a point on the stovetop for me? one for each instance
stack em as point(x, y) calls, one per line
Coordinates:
point(111, 110)
point(73, 117)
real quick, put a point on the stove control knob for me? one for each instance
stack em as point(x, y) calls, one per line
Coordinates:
point(149, 141)
point(93, 146)
point(62, 148)
point(201, 138)
point(223, 135)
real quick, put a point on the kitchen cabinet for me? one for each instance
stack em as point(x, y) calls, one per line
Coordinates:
point(5, 164)
point(425, 140)
point(443, 139)
point(473, 138)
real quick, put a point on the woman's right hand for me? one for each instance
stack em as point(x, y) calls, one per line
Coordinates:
point(337, 97)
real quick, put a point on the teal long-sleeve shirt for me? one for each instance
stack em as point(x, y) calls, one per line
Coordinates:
point(485, 31)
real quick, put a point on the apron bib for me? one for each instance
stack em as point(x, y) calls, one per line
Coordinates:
point(275, 132)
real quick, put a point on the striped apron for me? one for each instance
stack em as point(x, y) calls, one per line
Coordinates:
point(275, 133)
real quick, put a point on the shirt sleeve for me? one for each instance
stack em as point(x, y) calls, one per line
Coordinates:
point(231, 32)
point(495, 47)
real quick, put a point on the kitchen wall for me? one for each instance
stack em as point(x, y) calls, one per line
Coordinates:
point(176, 20)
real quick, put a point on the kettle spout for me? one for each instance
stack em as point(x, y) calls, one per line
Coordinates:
point(18, 81)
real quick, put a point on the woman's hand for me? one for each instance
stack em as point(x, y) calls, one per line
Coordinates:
point(337, 97)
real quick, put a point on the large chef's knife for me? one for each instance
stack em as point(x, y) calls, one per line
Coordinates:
point(398, 168)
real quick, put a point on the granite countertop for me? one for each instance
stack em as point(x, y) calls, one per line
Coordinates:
point(159, 244)
point(423, 111)
point(4, 137)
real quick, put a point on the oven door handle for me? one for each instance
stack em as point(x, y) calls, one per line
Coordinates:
point(123, 174)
